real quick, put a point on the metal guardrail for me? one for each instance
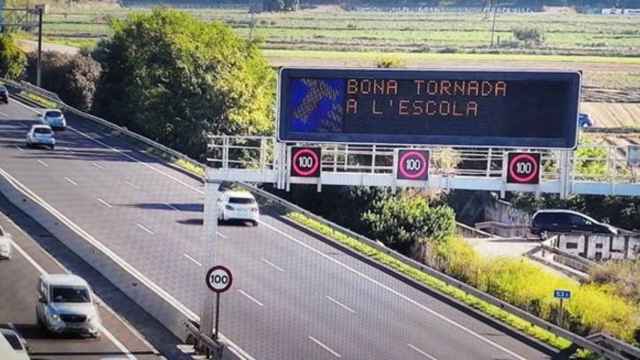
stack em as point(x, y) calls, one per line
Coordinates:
point(576, 339)
point(615, 344)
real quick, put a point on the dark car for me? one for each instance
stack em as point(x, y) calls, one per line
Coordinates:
point(584, 120)
point(564, 221)
point(4, 94)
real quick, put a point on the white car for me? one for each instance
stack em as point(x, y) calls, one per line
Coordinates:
point(41, 135)
point(54, 118)
point(5, 244)
point(238, 205)
point(66, 305)
point(12, 346)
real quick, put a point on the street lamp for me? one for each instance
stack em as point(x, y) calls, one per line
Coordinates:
point(39, 10)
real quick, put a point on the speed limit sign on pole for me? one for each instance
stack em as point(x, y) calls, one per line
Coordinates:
point(523, 168)
point(413, 165)
point(305, 162)
point(219, 279)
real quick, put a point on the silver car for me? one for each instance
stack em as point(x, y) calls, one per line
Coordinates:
point(5, 244)
point(55, 119)
point(41, 135)
point(66, 305)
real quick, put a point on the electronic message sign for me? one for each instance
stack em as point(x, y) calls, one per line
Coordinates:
point(462, 108)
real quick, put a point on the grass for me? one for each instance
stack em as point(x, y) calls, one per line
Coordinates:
point(44, 102)
point(417, 275)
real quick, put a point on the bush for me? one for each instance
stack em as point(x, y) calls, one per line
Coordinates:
point(387, 62)
point(530, 36)
point(12, 58)
point(622, 276)
point(72, 77)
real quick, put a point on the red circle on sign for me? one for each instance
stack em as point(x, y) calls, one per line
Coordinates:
point(405, 172)
point(227, 273)
point(314, 157)
point(534, 168)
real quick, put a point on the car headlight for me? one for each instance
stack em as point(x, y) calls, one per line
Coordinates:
point(54, 317)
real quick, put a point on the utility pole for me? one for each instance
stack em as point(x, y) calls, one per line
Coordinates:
point(493, 25)
point(40, 12)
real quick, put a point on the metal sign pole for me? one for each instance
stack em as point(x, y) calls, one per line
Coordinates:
point(208, 253)
point(215, 336)
point(561, 312)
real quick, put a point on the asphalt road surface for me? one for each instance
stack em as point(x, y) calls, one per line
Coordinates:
point(293, 297)
point(18, 296)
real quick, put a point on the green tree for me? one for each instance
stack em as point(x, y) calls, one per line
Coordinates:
point(12, 59)
point(402, 221)
point(176, 79)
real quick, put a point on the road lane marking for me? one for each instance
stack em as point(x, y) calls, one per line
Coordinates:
point(328, 349)
point(272, 265)
point(192, 259)
point(250, 297)
point(341, 304)
point(97, 165)
point(43, 163)
point(172, 207)
point(144, 228)
point(71, 181)
point(402, 296)
point(3, 114)
point(221, 234)
point(19, 148)
point(132, 185)
point(125, 351)
point(104, 203)
point(421, 352)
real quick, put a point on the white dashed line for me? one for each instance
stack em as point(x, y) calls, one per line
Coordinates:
point(221, 235)
point(272, 265)
point(3, 114)
point(97, 165)
point(250, 297)
point(71, 181)
point(421, 352)
point(193, 260)
point(19, 148)
point(341, 304)
point(144, 228)
point(104, 203)
point(330, 350)
point(43, 163)
point(132, 185)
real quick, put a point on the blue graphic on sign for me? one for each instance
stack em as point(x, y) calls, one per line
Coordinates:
point(316, 105)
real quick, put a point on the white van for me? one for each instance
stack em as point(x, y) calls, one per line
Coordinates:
point(12, 346)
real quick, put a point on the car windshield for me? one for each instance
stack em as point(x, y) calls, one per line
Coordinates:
point(70, 294)
point(42, 131)
point(53, 114)
point(13, 341)
point(241, 200)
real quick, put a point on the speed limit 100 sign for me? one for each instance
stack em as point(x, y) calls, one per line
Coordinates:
point(219, 279)
point(523, 168)
point(413, 165)
point(305, 161)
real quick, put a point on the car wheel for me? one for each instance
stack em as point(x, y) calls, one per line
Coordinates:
point(254, 223)
point(52, 147)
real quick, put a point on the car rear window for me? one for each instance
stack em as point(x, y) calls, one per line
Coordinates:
point(241, 200)
point(70, 294)
point(53, 114)
point(13, 341)
point(42, 131)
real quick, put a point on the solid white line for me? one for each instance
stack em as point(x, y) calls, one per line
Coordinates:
point(26, 106)
point(192, 259)
point(71, 181)
point(97, 165)
point(103, 330)
point(144, 228)
point(19, 148)
point(330, 350)
point(341, 304)
point(43, 163)
point(402, 296)
point(272, 265)
point(104, 203)
point(421, 352)
point(250, 297)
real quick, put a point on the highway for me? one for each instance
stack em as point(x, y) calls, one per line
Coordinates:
point(293, 297)
point(18, 296)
